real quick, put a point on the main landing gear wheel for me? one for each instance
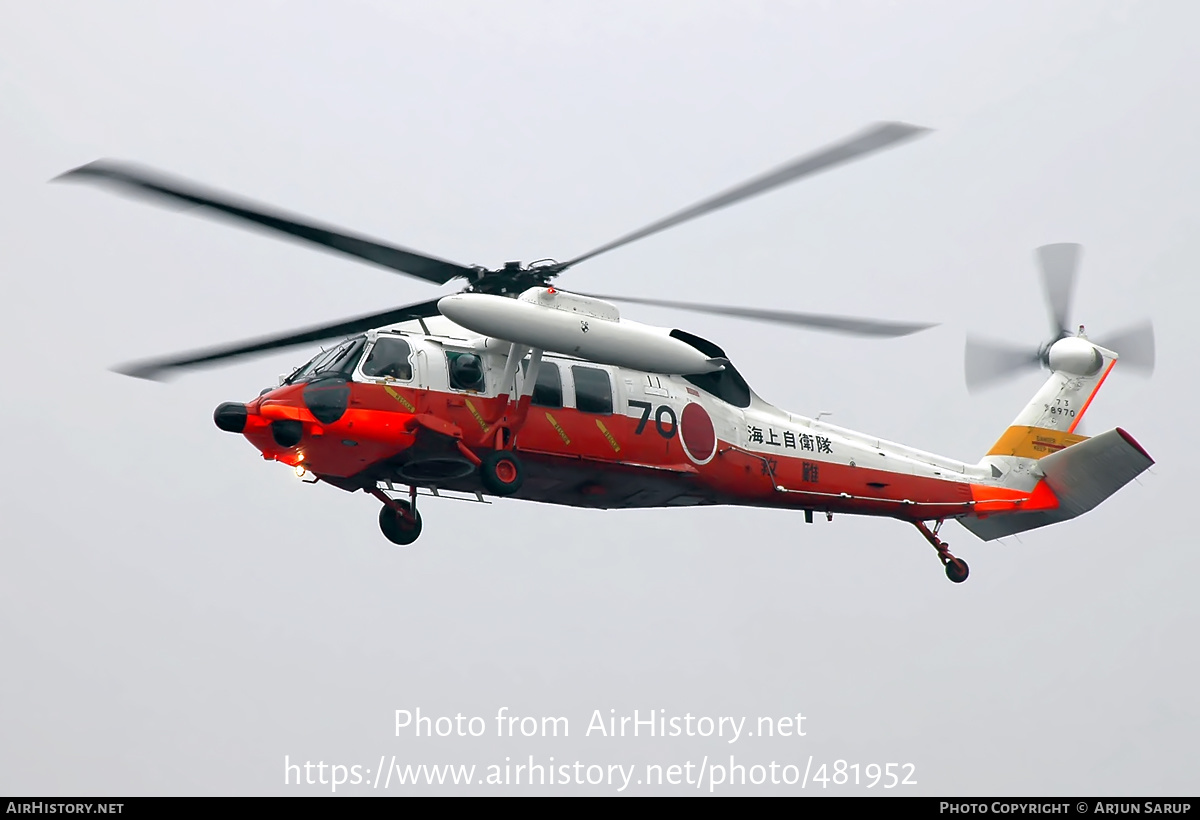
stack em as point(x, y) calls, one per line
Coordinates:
point(501, 472)
point(397, 527)
point(957, 570)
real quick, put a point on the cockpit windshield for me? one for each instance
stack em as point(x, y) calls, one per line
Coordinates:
point(340, 360)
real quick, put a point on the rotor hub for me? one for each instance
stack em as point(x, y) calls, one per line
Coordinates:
point(514, 278)
point(1075, 355)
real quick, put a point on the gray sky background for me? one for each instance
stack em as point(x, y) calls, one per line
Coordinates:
point(177, 615)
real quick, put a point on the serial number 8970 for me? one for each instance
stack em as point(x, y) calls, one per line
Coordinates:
point(843, 773)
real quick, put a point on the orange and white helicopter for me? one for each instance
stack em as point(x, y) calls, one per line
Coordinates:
point(515, 388)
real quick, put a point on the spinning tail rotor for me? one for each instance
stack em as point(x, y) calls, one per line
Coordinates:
point(989, 362)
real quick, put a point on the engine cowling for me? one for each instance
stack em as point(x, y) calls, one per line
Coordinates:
point(574, 325)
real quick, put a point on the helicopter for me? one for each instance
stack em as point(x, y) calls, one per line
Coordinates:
point(515, 388)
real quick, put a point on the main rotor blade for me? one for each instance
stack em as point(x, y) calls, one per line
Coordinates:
point(1134, 346)
point(160, 369)
point(1059, 264)
point(837, 324)
point(873, 139)
point(987, 362)
point(154, 185)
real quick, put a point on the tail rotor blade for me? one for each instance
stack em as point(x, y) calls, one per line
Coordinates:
point(1134, 345)
point(1059, 264)
point(987, 362)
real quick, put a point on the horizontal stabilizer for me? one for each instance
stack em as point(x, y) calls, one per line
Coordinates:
point(1081, 476)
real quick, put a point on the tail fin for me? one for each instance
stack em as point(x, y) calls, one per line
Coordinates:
point(1041, 446)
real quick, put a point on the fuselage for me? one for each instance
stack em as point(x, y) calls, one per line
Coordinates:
point(401, 405)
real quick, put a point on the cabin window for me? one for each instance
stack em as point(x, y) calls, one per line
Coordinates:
point(389, 359)
point(547, 391)
point(593, 390)
point(466, 371)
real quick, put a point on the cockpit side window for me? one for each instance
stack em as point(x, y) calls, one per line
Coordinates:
point(389, 359)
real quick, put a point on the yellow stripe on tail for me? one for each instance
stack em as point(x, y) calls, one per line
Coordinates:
point(1033, 442)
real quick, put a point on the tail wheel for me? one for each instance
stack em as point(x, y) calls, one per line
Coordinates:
point(957, 570)
point(398, 528)
point(501, 472)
